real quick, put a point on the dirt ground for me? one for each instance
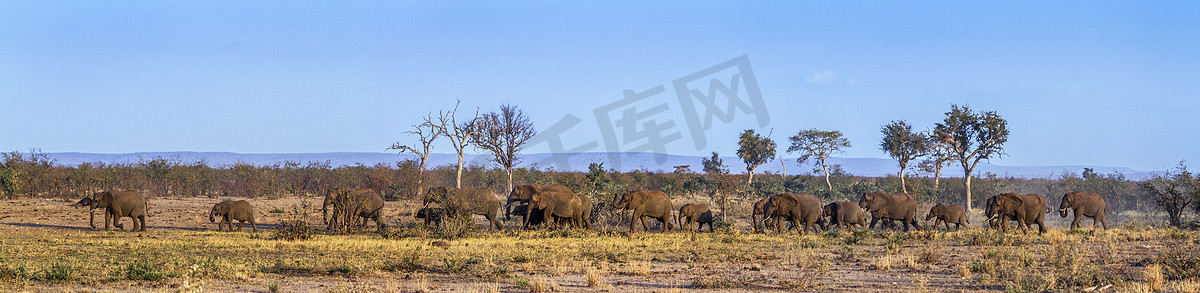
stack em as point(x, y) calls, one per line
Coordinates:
point(41, 233)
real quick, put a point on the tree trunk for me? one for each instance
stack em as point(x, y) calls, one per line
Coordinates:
point(510, 181)
point(751, 177)
point(421, 176)
point(903, 188)
point(967, 187)
point(826, 170)
point(937, 177)
point(458, 179)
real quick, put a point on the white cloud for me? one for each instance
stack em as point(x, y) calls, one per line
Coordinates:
point(821, 77)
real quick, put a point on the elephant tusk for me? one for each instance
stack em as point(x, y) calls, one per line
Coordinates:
point(1062, 210)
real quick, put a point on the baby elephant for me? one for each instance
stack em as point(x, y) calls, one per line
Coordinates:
point(948, 214)
point(844, 214)
point(233, 210)
point(85, 202)
point(698, 213)
point(432, 214)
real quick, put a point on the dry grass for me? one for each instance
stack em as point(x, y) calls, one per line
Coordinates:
point(594, 278)
point(1056, 261)
point(541, 284)
point(1153, 276)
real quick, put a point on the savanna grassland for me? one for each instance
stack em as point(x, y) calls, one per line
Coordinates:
point(48, 246)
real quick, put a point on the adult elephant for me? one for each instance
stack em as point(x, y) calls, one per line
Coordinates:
point(117, 205)
point(473, 201)
point(349, 206)
point(647, 204)
point(843, 214)
point(760, 210)
point(801, 208)
point(564, 205)
point(521, 195)
point(1089, 204)
point(1026, 209)
point(890, 206)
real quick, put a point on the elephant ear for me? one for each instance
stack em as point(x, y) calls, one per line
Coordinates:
point(1016, 200)
point(636, 198)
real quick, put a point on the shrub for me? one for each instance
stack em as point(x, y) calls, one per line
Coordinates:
point(408, 262)
point(293, 230)
point(1180, 265)
point(15, 275)
point(58, 272)
point(143, 270)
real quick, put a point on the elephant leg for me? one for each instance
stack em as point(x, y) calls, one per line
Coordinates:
point(240, 223)
point(495, 222)
point(253, 226)
point(874, 220)
point(645, 227)
point(1103, 221)
point(1076, 223)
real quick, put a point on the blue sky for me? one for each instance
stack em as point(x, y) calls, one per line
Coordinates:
point(1099, 83)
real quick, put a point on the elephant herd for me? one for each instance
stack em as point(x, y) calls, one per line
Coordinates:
point(557, 205)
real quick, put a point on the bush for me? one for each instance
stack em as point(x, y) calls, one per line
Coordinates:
point(1180, 265)
point(293, 230)
point(58, 272)
point(143, 270)
point(15, 275)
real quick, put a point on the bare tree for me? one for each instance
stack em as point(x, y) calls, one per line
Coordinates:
point(459, 134)
point(426, 133)
point(504, 134)
point(819, 145)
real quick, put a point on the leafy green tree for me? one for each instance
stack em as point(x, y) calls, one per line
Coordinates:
point(1173, 191)
point(818, 145)
point(755, 150)
point(972, 137)
point(937, 157)
point(714, 165)
point(904, 145)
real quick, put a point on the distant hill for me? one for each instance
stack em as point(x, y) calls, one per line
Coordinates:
point(872, 167)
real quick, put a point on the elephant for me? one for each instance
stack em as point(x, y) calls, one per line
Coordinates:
point(233, 210)
point(843, 214)
point(1089, 204)
point(760, 209)
point(432, 214)
point(472, 201)
point(585, 211)
point(801, 208)
point(885, 206)
point(522, 193)
point(653, 204)
point(352, 205)
point(117, 205)
point(85, 202)
point(948, 214)
point(564, 205)
point(1026, 209)
point(698, 213)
